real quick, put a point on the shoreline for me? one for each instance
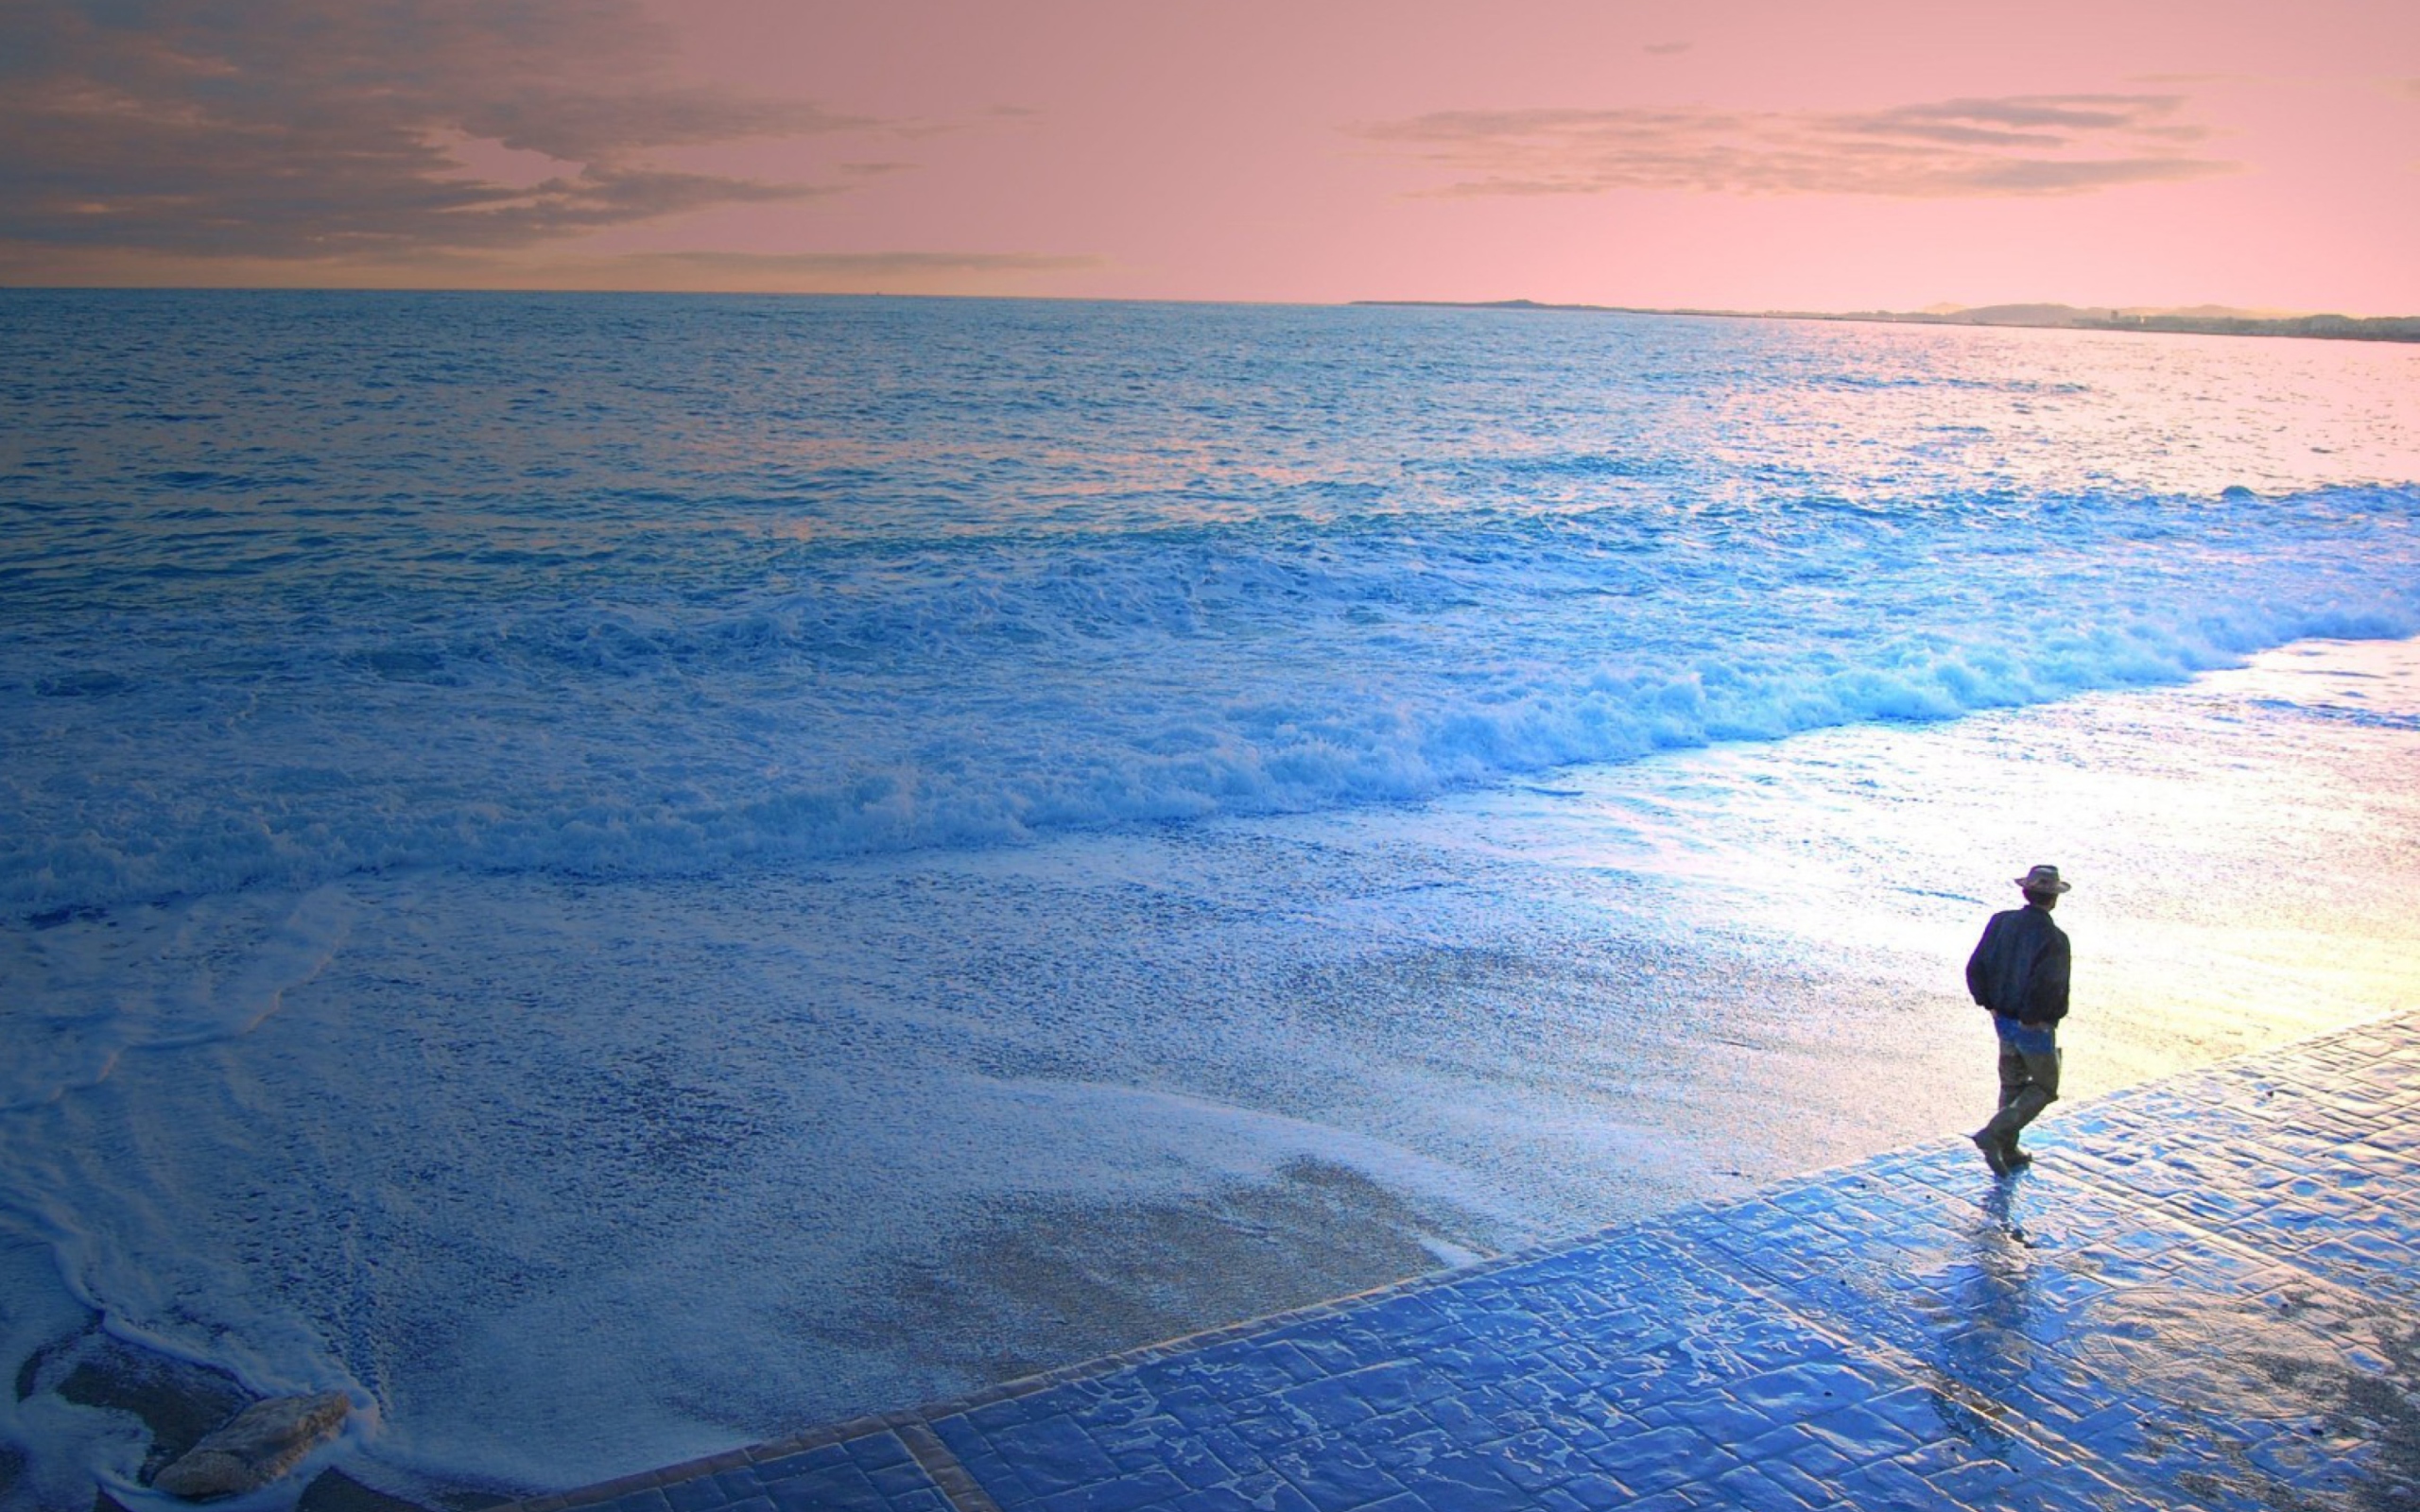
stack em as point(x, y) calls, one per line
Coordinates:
point(2394, 329)
point(598, 989)
point(1006, 1298)
point(1828, 1280)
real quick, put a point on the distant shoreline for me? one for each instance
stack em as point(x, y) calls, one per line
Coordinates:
point(2402, 328)
point(2029, 316)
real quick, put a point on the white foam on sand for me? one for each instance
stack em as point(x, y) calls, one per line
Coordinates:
point(657, 922)
point(575, 1178)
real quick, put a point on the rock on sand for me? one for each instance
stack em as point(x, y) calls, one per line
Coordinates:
point(264, 1441)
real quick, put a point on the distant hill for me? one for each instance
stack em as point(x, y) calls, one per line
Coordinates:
point(2208, 320)
point(2203, 320)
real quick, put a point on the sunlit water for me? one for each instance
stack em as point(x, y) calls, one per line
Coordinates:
point(620, 876)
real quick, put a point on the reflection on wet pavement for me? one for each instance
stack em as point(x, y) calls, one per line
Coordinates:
point(2205, 1294)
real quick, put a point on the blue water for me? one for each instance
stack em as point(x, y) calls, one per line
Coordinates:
point(653, 585)
point(392, 673)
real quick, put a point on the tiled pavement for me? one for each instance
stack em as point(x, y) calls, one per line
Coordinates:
point(2204, 1294)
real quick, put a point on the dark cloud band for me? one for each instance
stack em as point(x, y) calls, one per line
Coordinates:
point(863, 264)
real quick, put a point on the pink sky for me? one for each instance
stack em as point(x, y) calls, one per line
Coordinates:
point(1793, 154)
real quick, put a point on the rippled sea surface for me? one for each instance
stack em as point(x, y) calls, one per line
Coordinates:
point(616, 876)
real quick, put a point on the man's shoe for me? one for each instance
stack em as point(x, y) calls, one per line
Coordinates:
point(2017, 1159)
point(1994, 1155)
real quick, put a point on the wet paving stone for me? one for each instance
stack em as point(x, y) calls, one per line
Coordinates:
point(2204, 1295)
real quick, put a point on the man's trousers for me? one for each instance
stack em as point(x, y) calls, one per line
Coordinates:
point(2028, 1077)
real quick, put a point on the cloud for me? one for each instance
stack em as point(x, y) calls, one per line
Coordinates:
point(699, 271)
point(857, 267)
point(897, 272)
point(289, 128)
point(2015, 144)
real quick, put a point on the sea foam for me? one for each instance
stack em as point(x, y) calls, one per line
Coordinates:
point(991, 690)
point(580, 869)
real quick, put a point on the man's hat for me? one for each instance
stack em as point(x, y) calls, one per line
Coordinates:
point(2042, 879)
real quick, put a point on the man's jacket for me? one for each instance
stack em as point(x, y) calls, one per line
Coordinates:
point(2021, 968)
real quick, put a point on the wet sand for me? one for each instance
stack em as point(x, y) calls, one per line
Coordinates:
point(648, 1171)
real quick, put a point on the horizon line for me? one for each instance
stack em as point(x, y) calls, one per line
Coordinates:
point(1939, 313)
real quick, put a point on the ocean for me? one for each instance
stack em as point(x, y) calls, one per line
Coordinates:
point(618, 876)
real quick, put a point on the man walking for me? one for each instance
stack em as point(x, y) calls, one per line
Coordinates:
point(2019, 972)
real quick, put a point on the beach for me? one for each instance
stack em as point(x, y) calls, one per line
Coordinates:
point(612, 906)
point(2197, 1295)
